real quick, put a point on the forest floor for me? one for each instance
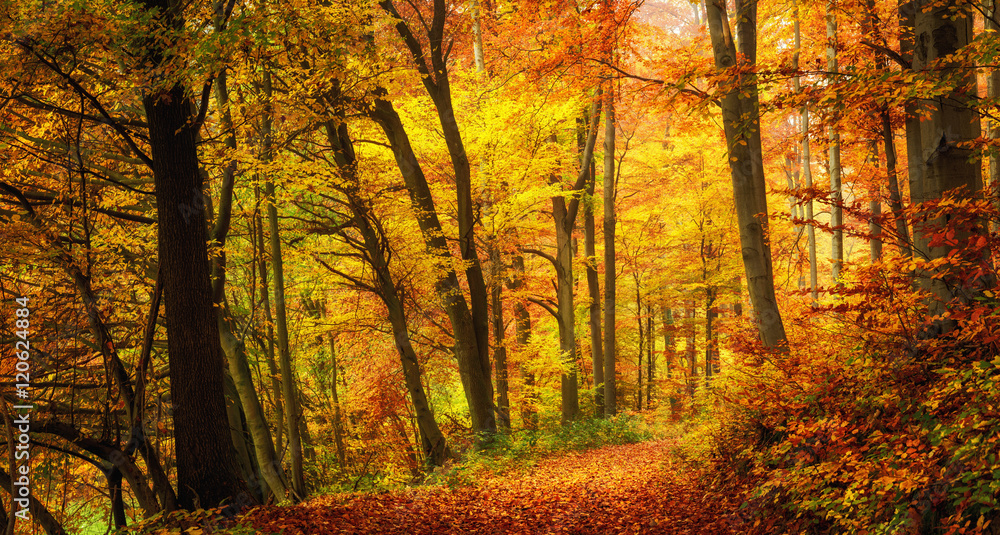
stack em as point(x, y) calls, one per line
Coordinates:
point(633, 488)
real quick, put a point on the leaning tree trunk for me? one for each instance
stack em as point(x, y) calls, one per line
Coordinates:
point(375, 246)
point(741, 120)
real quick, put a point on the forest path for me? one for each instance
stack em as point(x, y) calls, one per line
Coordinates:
point(634, 488)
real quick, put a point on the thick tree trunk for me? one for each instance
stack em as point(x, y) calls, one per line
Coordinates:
point(609, 193)
point(950, 124)
point(741, 119)
point(207, 474)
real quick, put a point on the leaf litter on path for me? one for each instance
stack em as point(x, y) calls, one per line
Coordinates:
point(633, 488)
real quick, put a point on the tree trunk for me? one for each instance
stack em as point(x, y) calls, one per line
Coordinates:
point(650, 356)
point(207, 474)
point(642, 339)
point(741, 119)
point(475, 378)
point(499, 345)
point(593, 288)
point(895, 198)
point(836, 188)
point(609, 194)
point(290, 399)
point(376, 245)
point(875, 211)
point(233, 348)
point(338, 424)
point(522, 329)
point(992, 93)
point(950, 124)
point(690, 349)
point(806, 163)
point(710, 315)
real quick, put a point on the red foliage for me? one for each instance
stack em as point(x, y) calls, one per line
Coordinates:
point(634, 488)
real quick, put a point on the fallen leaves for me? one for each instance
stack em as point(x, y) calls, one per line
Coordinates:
point(631, 488)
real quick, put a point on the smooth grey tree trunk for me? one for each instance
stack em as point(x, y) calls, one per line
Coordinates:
point(741, 120)
point(833, 135)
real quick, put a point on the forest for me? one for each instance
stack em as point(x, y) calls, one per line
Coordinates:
point(483, 266)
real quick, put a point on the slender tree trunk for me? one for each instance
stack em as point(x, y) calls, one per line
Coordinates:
point(291, 408)
point(338, 423)
point(741, 119)
point(376, 246)
point(806, 163)
point(566, 309)
point(609, 194)
point(522, 329)
point(593, 289)
point(875, 211)
point(233, 348)
point(268, 319)
point(477, 37)
point(499, 347)
point(642, 339)
point(475, 378)
point(710, 315)
point(993, 92)
point(690, 350)
point(650, 356)
point(670, 356)
point(836, 188)
point(895, 199)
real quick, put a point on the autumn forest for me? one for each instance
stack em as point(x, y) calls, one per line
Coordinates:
point(472, 266)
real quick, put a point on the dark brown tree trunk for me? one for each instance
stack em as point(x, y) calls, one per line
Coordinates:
point(207, 474)
point(206, 470)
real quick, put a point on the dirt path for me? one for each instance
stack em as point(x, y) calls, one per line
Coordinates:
point(616, 489)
